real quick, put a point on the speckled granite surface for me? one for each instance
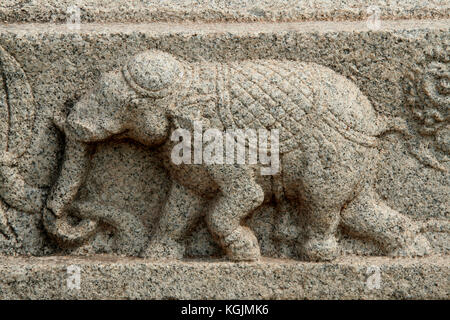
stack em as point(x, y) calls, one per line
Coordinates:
point(363, 113)
point(118, 278)
point(218, 10)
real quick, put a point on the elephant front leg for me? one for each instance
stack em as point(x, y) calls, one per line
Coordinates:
point(178, 215)
point(239, 194)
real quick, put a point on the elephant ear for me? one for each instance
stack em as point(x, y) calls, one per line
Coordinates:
point(17, 107)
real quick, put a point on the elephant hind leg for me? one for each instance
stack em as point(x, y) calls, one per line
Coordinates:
point(369, 217)
point(316, 179)
point(178, 216)
point(319, 242)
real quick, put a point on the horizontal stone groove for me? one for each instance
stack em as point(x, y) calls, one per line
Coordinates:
point(104, 259)
point(233, 28)
point(218, 10)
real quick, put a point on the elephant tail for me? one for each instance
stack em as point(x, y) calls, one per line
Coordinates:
point(393, 124)
point(414, 145)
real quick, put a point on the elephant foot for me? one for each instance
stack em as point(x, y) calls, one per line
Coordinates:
point(242, 245)
point(319, 249)
point(164, 248)
point(419, 247)
point(129, 246)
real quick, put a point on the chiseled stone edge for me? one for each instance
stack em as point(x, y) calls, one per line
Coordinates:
point(218, 11)
point(237, 29)
point(123, 278)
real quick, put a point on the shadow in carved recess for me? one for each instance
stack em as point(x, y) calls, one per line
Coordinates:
point(329, 138)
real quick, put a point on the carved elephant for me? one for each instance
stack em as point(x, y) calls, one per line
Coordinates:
point(328, 150)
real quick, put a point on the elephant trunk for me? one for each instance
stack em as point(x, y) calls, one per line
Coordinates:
point(56, 216)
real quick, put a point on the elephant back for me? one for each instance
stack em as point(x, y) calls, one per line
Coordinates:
point(284, 94)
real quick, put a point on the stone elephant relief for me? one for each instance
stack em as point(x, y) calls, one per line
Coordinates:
point(328, 150)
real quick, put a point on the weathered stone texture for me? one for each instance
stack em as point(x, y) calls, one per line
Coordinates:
point(86, 113)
